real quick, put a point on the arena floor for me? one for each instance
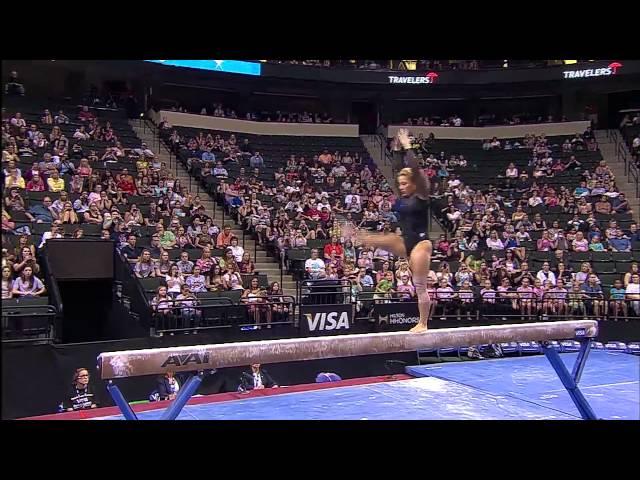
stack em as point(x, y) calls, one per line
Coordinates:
point(519, 388)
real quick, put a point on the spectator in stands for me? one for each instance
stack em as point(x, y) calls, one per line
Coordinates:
point(224, 238)
point(314, 266)
point(196, 281)
point(14, 180)
point(634, 233)
point(85, 115)
point(130, 251)
point(163, 265)
point(246, 265)
point(60, 119)
point(494, 242)
point(167, 237)
point(546, 275)
point(580, 244)
point(82, 395)
point(632, 293)
point(256, 161)
point(175, 280)
point(603, 206)
point(256, 379)
point(232, 280)
point(55, 183)
point(28, 285)
point(144, 267)
point(13, 87)
point(167, 387)
point(93, 215)
point(7, 282)
point(620, 204)
point(162, 305)
point(54, 232)
point(42, 212)
point(620, 243)
point(594, 296)
point(617, 302)
point(254, 297)
point(36, 184)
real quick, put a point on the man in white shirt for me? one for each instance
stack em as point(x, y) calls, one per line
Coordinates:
point(314, 266)
point(546, 274)
point(54, 233)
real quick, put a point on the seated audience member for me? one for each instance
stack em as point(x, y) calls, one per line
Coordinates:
point(167, 387)
point(256, 379)
point(144, 267)
point(82, 395)
point(314, 266)
point(28, 285)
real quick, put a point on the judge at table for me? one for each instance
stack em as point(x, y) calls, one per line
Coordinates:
point(256, 379)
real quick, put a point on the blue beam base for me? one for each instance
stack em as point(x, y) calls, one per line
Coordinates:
point(172, 411)
point(571, 380)
point(122, 404)
point(185, 393)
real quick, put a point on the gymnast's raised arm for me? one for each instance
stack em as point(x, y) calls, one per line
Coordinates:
point(422, 184)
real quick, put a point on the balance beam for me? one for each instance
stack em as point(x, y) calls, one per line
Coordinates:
point(132, 363)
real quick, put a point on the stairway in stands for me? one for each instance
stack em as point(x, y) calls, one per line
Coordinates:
point(147, 132)
point(624, 182)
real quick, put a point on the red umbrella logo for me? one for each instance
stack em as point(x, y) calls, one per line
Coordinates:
point(432, 76)
point(615, 66)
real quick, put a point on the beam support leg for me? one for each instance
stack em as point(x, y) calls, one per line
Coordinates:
point(185, 393)
point(122, 404)
point(569, 380)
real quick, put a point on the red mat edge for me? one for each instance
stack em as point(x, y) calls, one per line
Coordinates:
point(218, 397)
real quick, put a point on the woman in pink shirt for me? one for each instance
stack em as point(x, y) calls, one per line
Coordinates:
point(526, 296)
point(545, 244)
point(580, 244)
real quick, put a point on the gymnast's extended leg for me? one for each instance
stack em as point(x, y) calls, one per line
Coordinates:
point(388, 241)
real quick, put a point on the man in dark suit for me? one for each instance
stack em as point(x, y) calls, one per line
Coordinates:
point(256, 379)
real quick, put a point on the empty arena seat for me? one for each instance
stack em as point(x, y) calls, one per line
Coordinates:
point(616, 346)
point(530, 347)
point(570, 346)
point(510, 347)
point(633, 348)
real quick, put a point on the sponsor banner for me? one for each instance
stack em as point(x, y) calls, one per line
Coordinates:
point(612, 69)
point(326, 319)
point(423, 79)
point(395, 316)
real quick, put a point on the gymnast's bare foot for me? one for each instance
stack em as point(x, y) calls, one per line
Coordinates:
point(419, 328)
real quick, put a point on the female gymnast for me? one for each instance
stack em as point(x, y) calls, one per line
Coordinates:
point(413, 206)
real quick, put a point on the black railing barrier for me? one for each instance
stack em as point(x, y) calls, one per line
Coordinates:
point(194, 315)
point(323, 292)
point(133, 291)
point(28, 322)
point(509, 306)
point(53, 292)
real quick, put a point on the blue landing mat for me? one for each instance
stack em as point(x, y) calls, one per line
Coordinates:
point(415, 399)
point(610, 382)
